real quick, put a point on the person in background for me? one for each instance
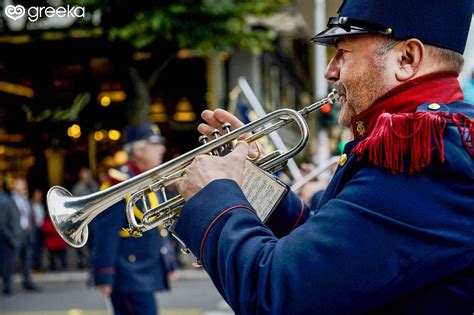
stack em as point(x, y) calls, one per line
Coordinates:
point(39, 213)
point(86, 185)
point(27, 224)
point(57, 248)
point(394, 230)
point(10, 237)
point(468, 89)
point(126, 269)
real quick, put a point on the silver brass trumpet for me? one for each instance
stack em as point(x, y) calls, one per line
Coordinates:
point(71, 215)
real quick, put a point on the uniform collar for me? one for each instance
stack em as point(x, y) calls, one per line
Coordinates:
point(440, 87)
point(133, 168)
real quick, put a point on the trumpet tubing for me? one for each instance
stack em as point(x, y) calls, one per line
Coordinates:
point(71, 215)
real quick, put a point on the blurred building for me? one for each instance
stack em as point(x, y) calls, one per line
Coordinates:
point(66, 91)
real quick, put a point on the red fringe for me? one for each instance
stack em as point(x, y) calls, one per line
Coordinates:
point(410, 138)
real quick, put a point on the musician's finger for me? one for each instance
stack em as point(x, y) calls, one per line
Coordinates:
point(205, 129)
point(225, 117)
point(210, 119)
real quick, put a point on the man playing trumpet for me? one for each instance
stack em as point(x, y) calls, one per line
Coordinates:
point(394, 232)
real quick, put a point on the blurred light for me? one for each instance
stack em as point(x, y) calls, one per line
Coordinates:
point(105, 101)
point(158, 112)
point(105, 98)
point(120, 157)
point(184, 117)
point(53, 36)
point(141, 55)
point(74, 131)
point(21, 39)
point(100, 135)
point(188, 53)
point(114, 134)
point(184, 111)
point(16, 89)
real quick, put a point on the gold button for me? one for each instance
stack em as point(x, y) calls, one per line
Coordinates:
point(164, 250)
point(342, 159)
point(197, 264)
point(132, 258)
point(434, 106)
point(164, 233)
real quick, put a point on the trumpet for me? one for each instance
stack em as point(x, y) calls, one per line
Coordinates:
point(71, 215)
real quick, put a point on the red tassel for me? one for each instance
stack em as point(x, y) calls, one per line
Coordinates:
point(410, 138)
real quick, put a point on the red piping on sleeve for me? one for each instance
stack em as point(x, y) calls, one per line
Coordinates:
point(213, 222)
point(299, 217)
point(104, 270)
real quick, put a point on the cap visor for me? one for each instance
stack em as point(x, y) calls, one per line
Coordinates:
point(329, 35)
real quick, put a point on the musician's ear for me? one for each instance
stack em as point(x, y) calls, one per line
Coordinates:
point(410, 56)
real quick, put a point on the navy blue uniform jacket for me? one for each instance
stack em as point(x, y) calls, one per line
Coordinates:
point(380, 243)
point(128, 264)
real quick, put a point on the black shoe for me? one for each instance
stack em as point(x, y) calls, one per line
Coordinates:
point(31, 287)
point(7, 292)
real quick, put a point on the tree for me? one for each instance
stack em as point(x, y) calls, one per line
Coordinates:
point(202, 25)
point(194, 24)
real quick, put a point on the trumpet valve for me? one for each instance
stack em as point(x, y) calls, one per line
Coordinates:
point(215, 133)
point(227, 128)
point(203, 139)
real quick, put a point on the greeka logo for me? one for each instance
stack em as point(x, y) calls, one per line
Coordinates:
point(15, 12)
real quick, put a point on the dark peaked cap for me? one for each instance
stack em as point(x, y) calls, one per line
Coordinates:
point(441, 23)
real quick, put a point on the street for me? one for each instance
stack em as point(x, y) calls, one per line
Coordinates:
point(66, 293)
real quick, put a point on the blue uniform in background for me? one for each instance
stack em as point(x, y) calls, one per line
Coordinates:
point(134, 267)
point(380, 242)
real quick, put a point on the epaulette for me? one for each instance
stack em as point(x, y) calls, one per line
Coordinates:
point(114, 176)
point(408, 140)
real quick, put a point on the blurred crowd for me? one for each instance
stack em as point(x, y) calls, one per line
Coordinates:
point(28, 239)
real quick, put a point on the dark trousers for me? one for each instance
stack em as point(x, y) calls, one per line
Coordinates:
point(26, 255)
point(38, 250)
point(57, 260)
point(136, 303)
point(8, 257)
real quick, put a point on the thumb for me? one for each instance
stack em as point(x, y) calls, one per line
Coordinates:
point(240, 151)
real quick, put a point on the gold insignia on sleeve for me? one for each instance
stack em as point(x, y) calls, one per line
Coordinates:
point(342, 159)
point(360, 128)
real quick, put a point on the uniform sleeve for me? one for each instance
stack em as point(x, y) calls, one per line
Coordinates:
point(289, 214)
point(367, 246)
point(105, 237)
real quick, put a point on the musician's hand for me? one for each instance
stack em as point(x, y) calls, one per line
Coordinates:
point(215, 120)
point(205, 168)
point(105, 289)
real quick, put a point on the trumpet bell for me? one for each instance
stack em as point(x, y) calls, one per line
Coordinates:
point(71, 230)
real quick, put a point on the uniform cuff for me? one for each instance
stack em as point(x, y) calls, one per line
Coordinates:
point(206, 207)
point(104, 276)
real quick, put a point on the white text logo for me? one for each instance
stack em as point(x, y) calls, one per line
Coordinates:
point(15, 12)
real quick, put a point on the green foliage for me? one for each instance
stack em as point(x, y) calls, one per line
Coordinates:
point(59, 114)
point(194, 24)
